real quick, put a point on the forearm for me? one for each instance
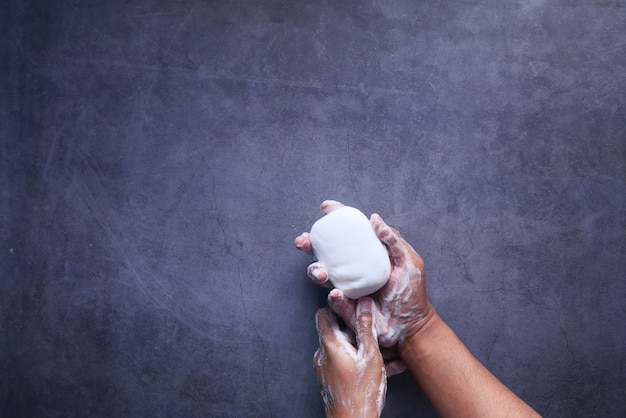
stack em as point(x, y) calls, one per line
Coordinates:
point(456, 383)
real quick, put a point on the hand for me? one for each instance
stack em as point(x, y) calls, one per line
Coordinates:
point(352, 380)
point(402, 306)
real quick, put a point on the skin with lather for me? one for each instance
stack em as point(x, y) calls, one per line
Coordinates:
point(394, 329)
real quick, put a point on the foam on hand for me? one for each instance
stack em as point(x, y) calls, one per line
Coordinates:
point(347, 247)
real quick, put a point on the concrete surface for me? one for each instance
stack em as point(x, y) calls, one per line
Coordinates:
point(159, 157)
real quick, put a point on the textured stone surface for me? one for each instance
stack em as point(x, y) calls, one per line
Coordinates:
point(159, 157)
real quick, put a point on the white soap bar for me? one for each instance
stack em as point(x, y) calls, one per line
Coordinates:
point(347, 247)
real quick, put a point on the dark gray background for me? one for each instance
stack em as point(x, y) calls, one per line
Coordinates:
point(159, 158)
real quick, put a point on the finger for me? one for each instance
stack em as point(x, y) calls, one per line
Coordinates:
point(325, 321)
point(344, 307)
point(331, 205)
point(383, 329)
point(390, 237)
point(324, 328)
point(332, 341)
point(303, 242)
point(317, 273)
point(366, 327)
point(394, 367)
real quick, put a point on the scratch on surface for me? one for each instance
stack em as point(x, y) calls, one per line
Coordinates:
point(257, 334)
point(158, 295)
point(169, 213)
point(427, 81)
point(193, 35)
point(351, 173)
point(263, 250)
point(464, 264)
point(215, 206)
point(559, 321)
point(89, 200)
point(123, 66)
point(176, 32)
point(494, 340)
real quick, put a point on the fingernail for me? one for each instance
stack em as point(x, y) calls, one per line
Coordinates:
point(335, 295)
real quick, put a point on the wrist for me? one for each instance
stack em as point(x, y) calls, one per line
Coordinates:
point(360, 410)
point(419, 330)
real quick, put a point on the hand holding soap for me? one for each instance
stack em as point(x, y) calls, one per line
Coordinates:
point(348, 252)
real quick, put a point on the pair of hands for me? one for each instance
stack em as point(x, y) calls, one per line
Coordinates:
point(389, 318)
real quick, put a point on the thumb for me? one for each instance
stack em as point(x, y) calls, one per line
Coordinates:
point(366, 336)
